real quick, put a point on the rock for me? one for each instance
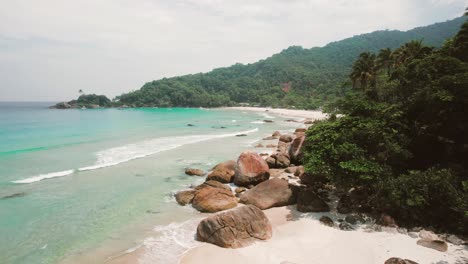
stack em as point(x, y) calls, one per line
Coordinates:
point(251, 168)
point(345, 226)
point(434, 244)
point(290, 120)
point(413, 234)
point(272, 193)
point(326, 221)
point(399, 261)
point(264, 154)
point(15, 195)
point(309, 201)
point(240, 189)
point(276, 134)
point(295, 150)
point(270, 138)
point(351, 219)
point(387, 220)
point(214, 184)
point(212, 199)
point(271, 146)
point(190, 125)
point(229, 164)
point(235, 228)
point(286, 138)
point(454, 240)
point(300, 130)
point(241, 135)
point(299, 171)
point(222, 174)
point(282, 160)
point(259, 145)
point(271, 162)
point(268, 121)
point(291, 169)
point(62, 105)
point(428, 235)
point(192, 172)
point(344, 204)
point(185, 197)
point(275, 173)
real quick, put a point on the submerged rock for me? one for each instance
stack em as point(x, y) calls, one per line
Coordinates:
point(251, 169)
point(15, 195)
point(272, 193)
point(235, 228)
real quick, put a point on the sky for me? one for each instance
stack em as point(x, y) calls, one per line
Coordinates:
point(50, 49)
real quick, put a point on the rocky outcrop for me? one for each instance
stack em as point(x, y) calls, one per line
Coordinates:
point(213, 196)
point(185, 197)
point(309, 201)
point(223, 172)
point(326, 221)
point(272, 193)
point(251, 169)
point(295, 150)
point(235, 228)
point(228, 164)
point(192, 172)
point(399, 261)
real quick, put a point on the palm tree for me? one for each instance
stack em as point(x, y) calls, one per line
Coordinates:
point(385, 60)
point(411, 50)
point(80, 91)
point(364, 71)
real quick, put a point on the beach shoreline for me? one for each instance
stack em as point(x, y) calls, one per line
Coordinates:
point(284, 112)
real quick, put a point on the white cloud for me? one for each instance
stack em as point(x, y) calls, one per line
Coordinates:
point(51, 48)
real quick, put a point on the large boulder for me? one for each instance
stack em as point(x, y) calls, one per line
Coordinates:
point(399, 261)
point(295, 150)
point(235, 228)
point(228, 165)
point(272, 193)
point(192, 172)
point(185, 197)
point(251, 169)
point(213, 196)
point(300, 130)
point(309, 201)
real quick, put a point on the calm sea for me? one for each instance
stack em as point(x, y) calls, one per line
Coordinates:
point(73, 181)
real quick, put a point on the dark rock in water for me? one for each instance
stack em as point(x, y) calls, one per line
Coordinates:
point(291, 120)
point(346, 226)
point(192, 172)
point(15, 195)
point(241, 135)
point(309, 201)
point(190, 125)
point(152, 212)
point(251, 169)
point(268, 121)
point(271, 193)
point(433, 244)
point(326, 221)
point(185, 197)
point(399, 261)
point(235, 228)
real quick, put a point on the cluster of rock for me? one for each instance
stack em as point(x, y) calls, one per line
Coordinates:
point(73, 104)
point(274, 181)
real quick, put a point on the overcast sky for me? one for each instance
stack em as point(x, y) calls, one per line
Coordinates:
point(49, 49)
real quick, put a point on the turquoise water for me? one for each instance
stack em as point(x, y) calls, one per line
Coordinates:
point(88, 178)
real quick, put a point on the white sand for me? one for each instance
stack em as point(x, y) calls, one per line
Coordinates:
point(304, 240)
point(307, 114)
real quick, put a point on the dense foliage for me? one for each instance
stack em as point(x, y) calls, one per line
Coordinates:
point(403, 134)
point(296, 77)
point(93, 99)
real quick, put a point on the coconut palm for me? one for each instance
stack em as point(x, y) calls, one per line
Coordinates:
point(364, 71)
point(385, 60)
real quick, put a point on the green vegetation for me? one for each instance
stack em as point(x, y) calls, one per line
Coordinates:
point(402, 134)
point(296, 77)
point(93, 99)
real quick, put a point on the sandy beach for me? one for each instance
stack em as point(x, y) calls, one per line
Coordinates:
point(301, 238)
point(294, 113)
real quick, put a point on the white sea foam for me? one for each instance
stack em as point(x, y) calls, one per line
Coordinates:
point(267, 115)
point(45, 176)
point(170, 242)
point(117, 155)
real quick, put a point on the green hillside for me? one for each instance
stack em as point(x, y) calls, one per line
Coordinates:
point(295, 77)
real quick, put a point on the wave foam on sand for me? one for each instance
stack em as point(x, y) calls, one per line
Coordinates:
point(117, 155)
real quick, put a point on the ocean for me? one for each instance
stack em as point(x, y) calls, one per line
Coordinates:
point(89, 185)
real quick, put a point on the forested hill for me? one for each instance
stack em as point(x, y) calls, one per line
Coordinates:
point(295, 77)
